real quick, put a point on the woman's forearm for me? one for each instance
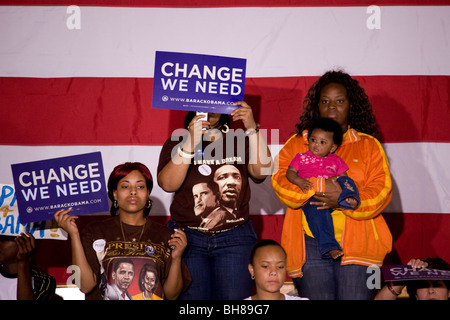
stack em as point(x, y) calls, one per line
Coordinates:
point(260, 162)
point(88, 280)
point(24, 288)
point(174, 282)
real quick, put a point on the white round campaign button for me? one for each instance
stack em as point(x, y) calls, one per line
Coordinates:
point(204, 169)
point(99, 245)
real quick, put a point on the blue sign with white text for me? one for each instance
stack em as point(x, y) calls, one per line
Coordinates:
point(46, 186)
point(196, 82)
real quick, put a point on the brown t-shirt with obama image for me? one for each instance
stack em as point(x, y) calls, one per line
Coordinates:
point(215, 194)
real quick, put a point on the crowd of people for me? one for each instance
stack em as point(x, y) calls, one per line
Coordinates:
point(333, 172)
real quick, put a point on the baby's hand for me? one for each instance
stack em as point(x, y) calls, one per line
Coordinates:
point(351, 202)
point(304, 184)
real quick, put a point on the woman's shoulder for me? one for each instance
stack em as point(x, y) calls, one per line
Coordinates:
point(354, 135)
point(295, 144)
point(361, 139)
point(297, 138)
point(369, 142)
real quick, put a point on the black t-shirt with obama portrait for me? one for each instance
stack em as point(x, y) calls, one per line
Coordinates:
point(215, 194)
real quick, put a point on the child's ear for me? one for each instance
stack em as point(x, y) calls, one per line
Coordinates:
point(251, 270)
point(333, 148)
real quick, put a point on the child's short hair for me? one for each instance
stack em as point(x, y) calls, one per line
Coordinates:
point(328, 125)
point(264, 243)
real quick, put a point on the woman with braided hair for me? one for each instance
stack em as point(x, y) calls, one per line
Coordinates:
point(366, 239)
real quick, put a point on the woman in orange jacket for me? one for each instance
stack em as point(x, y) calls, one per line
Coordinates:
point(362, 233)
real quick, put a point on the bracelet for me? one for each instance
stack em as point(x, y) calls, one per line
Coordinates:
point(250, 132)
point(392, 290)
point(185, 154)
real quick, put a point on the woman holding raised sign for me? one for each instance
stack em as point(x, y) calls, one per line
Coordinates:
point(209, 172)
point(128, 257)
point(433, 289)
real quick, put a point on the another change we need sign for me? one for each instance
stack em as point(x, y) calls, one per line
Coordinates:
point(196, 82)
point(46, 186)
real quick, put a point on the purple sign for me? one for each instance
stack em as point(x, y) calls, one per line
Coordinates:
point(196, 82)
point(406, 272)
point(46, 186)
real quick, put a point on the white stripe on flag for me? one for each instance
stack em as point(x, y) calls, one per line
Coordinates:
point(286, 41)
point(419, 171)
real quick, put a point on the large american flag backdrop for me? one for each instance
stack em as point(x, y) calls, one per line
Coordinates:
point(77, 77)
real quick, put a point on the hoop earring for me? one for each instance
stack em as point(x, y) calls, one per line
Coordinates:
point(149, 204)
point(225, 128)
point(116, 205)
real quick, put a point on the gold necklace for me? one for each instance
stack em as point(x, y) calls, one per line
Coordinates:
point(134, 239)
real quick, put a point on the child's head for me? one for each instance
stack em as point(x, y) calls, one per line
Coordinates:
point(268, 265)
point(324, 137)
point(431, 289)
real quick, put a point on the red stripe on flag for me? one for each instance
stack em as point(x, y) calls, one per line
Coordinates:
point(418, 235)
point(114, 111)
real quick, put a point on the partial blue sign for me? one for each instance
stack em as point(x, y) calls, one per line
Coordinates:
point(196, 82)
point(46, 186)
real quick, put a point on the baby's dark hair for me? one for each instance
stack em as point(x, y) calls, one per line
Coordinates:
point(264, 243)
point(327, 125)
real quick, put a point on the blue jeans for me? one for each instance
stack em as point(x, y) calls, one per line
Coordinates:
point(320, 222)
point(219, 263)
point(326, 279)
